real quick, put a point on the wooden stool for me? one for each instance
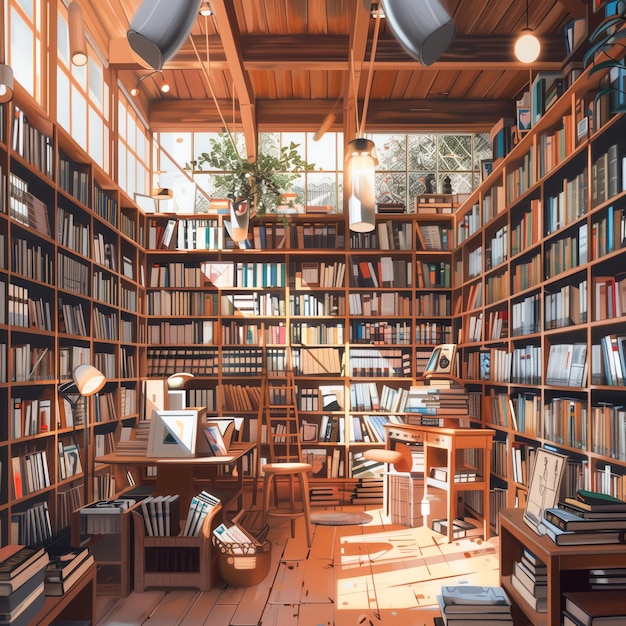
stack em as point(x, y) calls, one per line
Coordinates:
point(291, 471)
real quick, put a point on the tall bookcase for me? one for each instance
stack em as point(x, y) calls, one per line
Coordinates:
point(358, 313)
point(539, 272)
point(70, 292)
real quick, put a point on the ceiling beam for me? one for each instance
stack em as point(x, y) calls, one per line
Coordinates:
point(226, 22)
point(296, 115)
point(576, 8)
point(331, 52)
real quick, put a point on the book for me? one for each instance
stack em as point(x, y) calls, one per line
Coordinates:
point(14, 559)
point(199, 507)
point(538, 603)
point(596, 608)
point(63, 562)
point(459, 599)
point(37, 567)
point(10, 601)
point(26, 610)
point(61, 587)
point(573, 507)
point(595, 501)
point(567, 520)
point(583, 537)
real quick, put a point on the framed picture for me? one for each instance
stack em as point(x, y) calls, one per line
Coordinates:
point(213, 436)
point(308, 431)
point(523, 120)
point(545, 483)
point(173, 434)
point(486, 167)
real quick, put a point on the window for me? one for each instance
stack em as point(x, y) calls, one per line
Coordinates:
point(25, 49)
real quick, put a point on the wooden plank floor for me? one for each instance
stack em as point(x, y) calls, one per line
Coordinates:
point(362, 575)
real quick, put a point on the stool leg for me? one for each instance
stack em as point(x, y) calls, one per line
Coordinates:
point(306, 506)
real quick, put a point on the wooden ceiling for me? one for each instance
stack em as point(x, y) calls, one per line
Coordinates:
point(286, 64)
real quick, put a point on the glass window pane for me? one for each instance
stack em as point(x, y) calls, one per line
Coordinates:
point(178, 145)
point(95, 82)
point(79, 118)
point(269, 143)
point(482, 149)
point(63, 100)
point(121, 119)
point(422, 153)
point(79, 74)
point(21, 55)
point(322, 189)
point(391, 152)
point(455, 152)
point(461, 182)
point(390, 188)
point(130, 134)
point(63, 43)
point(95, 137)
point(29, 8)
point(322, 153)
point(299, 139)
point(106, 155)
point(121, 166)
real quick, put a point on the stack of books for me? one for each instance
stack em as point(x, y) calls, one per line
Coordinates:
point(591, 608)
point(65, 569)
point(588, 518)
point(486, 605)
point(22, 594)
point(368, 490)
point(530, 579)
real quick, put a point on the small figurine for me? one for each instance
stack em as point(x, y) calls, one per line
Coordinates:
point(447, 185)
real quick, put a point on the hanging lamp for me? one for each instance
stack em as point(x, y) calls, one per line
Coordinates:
point(361, 161)
point(78, 41)
point(527, 46)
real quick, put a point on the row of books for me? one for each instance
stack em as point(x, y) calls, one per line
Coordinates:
point(387, 236)
point(384, 272)
point(71, 233)
point(161, 515)
point(389, 304)
point(179, 303)
point(31, 144)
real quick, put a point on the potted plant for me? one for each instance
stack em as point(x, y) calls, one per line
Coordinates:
point(259, 183)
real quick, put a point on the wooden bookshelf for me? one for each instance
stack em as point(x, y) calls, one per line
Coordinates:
point(555, 283)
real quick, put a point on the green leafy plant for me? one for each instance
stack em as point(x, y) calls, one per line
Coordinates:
point(261, 182)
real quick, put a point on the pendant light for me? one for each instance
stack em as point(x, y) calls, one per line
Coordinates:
point(527, 46)
point(361, 161)
point(76, 26)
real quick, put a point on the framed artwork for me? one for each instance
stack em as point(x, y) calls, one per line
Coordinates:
point(173, 434)
point(523, 120)
point(213, 436)
point(486, 167)
point(545, 483)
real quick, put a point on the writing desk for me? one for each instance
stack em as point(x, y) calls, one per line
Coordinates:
point(444, 447)
point(176, 475)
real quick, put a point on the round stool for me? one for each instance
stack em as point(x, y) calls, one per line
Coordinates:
point(291, 471)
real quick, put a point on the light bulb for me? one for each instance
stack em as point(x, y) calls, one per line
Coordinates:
point(527, 47)
point(165, 87)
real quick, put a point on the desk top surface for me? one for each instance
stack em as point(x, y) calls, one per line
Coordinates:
point(235, 452)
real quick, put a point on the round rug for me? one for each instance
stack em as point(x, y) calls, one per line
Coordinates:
point(340, 519)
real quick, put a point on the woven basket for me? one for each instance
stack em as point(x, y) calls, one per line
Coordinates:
point(243, 564)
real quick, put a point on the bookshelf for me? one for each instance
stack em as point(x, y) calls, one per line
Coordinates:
point(357, 313)
point(69, 293)
point(542, 272)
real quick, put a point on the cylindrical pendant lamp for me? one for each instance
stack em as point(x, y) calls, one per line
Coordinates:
point(425, 32)
point(360, 168)
point(160, 27)
point(78, 42)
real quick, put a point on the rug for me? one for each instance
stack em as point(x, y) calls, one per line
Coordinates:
point(340, 519)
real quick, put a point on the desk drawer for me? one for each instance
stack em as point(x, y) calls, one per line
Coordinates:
point(439, 440)
point(404, 435)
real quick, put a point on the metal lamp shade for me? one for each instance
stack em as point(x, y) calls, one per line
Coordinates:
point(424, 29)
point(78, 41)
point(178, 380)
point(88, 379)
point(360, 168)
point(6, 83)
point(160, 27)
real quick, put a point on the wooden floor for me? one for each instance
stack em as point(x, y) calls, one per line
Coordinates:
point(362, 575)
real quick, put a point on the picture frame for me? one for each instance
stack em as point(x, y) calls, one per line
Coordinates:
point(309, 432)
point(524, 120)
point(543, 491)
point(173, 434)
point(213, 437)
point(486, 167)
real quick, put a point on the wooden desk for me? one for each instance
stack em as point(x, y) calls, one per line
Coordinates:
point(443, 447)
point(568, 566)
point(177, 475)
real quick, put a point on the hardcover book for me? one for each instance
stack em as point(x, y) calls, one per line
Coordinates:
point(474, 599)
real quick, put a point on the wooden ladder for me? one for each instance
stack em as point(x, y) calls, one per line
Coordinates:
point(281, 421)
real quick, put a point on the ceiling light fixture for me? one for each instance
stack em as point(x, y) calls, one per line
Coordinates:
point(527, 46)
point(159, 28)
point(205, 9)
point(424, 34)
point(6, 71)
point(164, 86)
point(361, 160)
point(78, 41)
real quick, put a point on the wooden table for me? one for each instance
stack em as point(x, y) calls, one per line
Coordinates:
point(176, 475)
point(443, 447)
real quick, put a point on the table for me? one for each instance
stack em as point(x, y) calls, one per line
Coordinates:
point(443, 447)
point(176, 475)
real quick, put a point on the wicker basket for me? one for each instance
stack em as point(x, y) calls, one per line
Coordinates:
point(243, 564)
